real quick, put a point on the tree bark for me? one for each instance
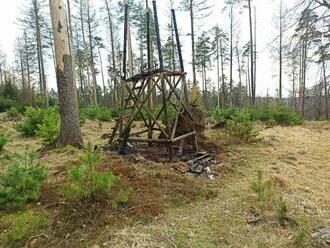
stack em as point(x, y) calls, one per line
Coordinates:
point(326, 90)
point(239, 77)
point(231, 58)
point(70, 133)
point(113, 56)
point(218, 71)
point(27, 55)
point(192, 26)
point(42, 77)
point(91, 59)
point(280, 51)
point(251, 55)
point(222, 75)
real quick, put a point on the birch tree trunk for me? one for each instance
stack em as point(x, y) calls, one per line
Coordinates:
point(70, 133)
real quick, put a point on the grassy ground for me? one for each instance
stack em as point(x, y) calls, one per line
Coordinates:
point(190, 211)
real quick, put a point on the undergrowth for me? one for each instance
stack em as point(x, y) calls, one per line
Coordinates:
point(3, 140)
point(241, 126)
point(20, 226)
point(270, 114)
point(99, 113)
point(85, 181)
point(44, 123)
point(21, 183)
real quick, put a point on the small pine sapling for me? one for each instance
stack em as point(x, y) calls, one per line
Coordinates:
point(262, 188)
point(21, 183)
point(282, 209)
point(85, 181)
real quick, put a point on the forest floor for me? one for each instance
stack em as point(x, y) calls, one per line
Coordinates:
point(170, 209)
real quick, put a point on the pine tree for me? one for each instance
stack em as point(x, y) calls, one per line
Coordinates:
point(203, 61)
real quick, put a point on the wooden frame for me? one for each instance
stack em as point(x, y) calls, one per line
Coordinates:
point(136, 101)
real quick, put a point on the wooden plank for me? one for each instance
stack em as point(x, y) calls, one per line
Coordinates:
point(183, 137)
point(190, 162)
point(157, 141)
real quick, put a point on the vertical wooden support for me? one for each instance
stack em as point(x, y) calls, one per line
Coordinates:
point(149, 81)
point(185, 91)
point(148, 40)
point(122, 106)
point(167, 120)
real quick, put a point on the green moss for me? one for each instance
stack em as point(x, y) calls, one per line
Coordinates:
point(16, 228)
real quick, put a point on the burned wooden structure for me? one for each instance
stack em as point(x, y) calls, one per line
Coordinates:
point(137, 98)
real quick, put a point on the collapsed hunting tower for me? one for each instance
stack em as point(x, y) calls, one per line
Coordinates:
point(140, 92)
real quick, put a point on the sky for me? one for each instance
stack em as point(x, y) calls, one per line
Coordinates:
point(267, 68)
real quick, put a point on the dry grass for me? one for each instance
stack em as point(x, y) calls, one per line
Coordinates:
point(295, 159)
point(168, 209)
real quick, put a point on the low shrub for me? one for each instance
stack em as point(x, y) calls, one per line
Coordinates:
point(49, 129)
point(12, 112)
point(241, 127)
point(272, 114)
point(7, 103)
point(3, 141)
point(224, 114)
point(99, 113)
point(33, 118)
point(283, 115)
point(261, 187)
point(42, 122)
point(21, 183)
point(84, 179)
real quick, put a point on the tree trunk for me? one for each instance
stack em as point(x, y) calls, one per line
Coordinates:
point(255, 54)
point(42, 77)
point(91, 59)
point(239, 77)
point(70, 133)
point(85, 48)
point(251, 55)
point(1, 80)
point(305, 48)
point(113, 56)
point(24, 91)
point(223, 75)
point(281, 39)
point(102, 73)
point(231, 58)
point(218, 71)
point(326, 91)
point(294, 101)
point(27, 55)
point(192, 26)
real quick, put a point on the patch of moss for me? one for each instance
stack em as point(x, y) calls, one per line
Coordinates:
point(16, 228)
